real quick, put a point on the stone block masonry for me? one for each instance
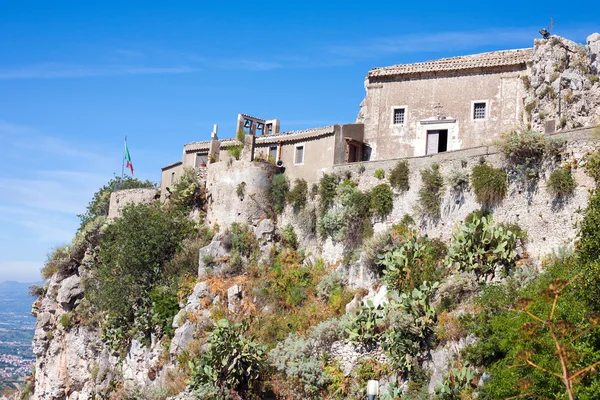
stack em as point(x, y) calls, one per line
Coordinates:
point(120, 198)
point(549, 225)
point(239, 191)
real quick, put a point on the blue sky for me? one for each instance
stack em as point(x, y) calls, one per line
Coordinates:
point(75, 77)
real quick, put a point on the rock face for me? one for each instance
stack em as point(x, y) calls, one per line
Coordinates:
point(564, 90)
point(71, 363)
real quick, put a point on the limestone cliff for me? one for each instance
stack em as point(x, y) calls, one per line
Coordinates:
point(564, 85)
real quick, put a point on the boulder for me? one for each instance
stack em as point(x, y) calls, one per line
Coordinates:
point(70, 292)
point(264, 228)
point(234, 297)
point(210, 254)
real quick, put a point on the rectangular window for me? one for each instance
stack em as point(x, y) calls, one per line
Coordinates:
point(172, 178)
point(479, 110)
point(299, 156)
point(201, 160)
point(399, 114)
point(273, 153)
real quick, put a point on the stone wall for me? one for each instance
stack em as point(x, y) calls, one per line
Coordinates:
point(238, 191)
point(120, 198)
point(549, 224)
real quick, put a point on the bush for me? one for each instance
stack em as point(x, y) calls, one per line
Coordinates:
point(59, 259)
point(67, 321)
point(458, 180)
point(349, 217)
point(232, 361)
point(279, 190)
point(132, 256)
point(327, 190)
point(379, 173)
point(298, 360)
point(399, 176)
point(165, 306)
point(98, 206)
point(235, 152)
point(489, 184)
point(592, 165)
point(430, 194)
point(561, 182)
point(298, 196)
point(289, 237)
point(188, 193)
point(382, 200)
point(526, 150)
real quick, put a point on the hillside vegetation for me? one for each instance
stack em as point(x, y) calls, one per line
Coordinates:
point(502, 326)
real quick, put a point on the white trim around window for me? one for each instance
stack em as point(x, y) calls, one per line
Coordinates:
point(404, 116)
point(296, 147)
point(487, 110)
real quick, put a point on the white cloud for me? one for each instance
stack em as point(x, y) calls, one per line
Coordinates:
point(58, 70)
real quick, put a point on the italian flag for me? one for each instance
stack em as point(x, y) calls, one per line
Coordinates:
point(128, 159)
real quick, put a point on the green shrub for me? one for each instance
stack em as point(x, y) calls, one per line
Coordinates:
point(350, 215)
point(240, 136)
point(289, 237)
point(399, 176)
point(382, 200)
point(98, 206)
point(165, 307)
point(592, 165)
point(379, 173)
point(327, 189)
point(59, 259)
point(481, 246)
point(298, 196)
point(67, 320)
point(235, 151)
point(489, 184)
point(280, 187)
point(458, 180)
point(561, 182)
point(187, 193)
point(526, 151)
point(232, 362)
point(298, 359)
point(131, 259)
point(430, 194)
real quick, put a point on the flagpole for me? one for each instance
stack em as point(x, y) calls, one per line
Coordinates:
point(123, 162)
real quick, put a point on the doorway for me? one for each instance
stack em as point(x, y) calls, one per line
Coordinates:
point(437, 141)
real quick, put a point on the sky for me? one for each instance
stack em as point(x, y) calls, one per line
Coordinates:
point(78, 76)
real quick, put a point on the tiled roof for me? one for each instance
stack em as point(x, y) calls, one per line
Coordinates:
point(279, 137)
point(251, 117)
point(475, 61)
point(296, 135)
point(172, 165)
point(195, 146)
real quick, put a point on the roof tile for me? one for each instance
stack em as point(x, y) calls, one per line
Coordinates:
point(475, 61)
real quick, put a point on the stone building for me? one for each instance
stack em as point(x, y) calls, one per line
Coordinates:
point(425, 108)
point(441, 105)
point(299, 154)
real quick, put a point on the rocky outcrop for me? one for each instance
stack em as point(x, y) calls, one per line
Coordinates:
point(564, 86)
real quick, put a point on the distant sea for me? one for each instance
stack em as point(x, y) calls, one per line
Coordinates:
point(16, 332)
